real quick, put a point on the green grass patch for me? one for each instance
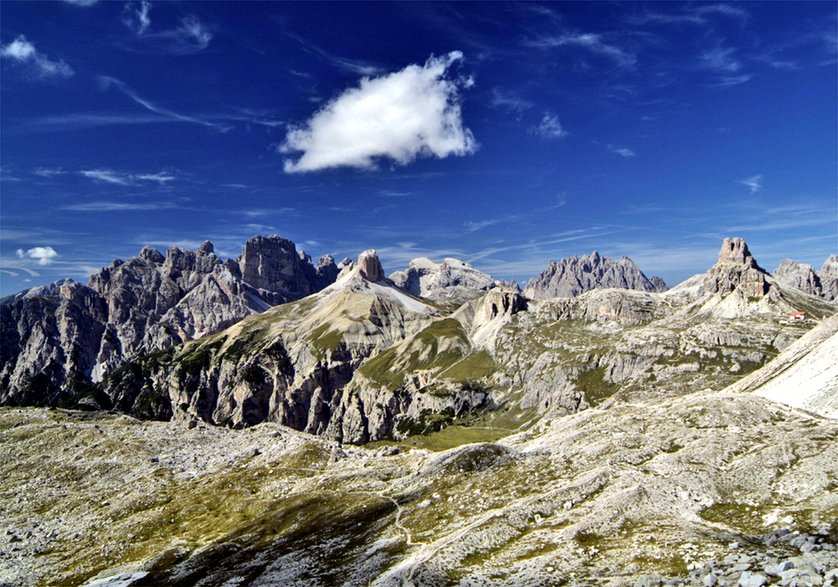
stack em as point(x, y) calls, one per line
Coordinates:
point(595, 386)
point(473, 366)
point(324, 340)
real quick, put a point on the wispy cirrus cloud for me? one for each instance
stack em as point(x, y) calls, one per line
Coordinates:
point(754, 183)
point(108, 82)
point(699, 14)
point(126, 179)
point(474, 226)
point(135, 16)
point(411, 113)
point(49, 172)
point(353, 66)
point(549, 127)
point(23, 53)
point(189, 36)
point(593, 42)
point(110, 206)
point(721, 59)
point(82, 3)
point(621, 151)
point(726, 63)
point(510, 101)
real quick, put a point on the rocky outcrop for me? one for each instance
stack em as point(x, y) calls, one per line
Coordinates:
point(798, 275)
point(273, 265)
point(659, 283)
point(451, 279)
point(60, 339)
point(370, 266)
point(499, 302)
point(828, 276)
point(736, 269)
point(575, 275)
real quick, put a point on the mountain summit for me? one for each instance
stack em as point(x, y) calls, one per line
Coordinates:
point(574, 276)
point(60, 338)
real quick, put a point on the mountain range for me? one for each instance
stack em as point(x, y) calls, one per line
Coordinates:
point(266, 421)
point(345, 352)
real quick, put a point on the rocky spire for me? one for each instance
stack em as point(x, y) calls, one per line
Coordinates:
point(152, 255)
point(735, 250)
point(369, 265)
point(736, 269)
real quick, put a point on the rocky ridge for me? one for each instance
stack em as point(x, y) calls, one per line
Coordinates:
point(363, 360)
point(59, 339)
point(574, 276)
point(450, 280)
point(799, 275)
point(326, 364)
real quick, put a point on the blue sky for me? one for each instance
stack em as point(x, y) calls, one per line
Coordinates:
point(502, 134)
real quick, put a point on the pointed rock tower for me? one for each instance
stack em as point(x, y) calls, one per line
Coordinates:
point(369, 266)
point(736, 269)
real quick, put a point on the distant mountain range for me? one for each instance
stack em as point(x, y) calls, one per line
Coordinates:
point(343, 351)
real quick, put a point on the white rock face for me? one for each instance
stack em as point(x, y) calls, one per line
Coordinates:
point(451, 279)
point(811, 382)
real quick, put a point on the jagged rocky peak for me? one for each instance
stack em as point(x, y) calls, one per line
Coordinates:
point(736, 269)
point(829, 278)
point(144, 304)
point(798, 275)
point(205, 248)
point(735, 250)
point(147, 253)
point(450, 279)
point(574, 276)
point(369, 266)
point(272, 263)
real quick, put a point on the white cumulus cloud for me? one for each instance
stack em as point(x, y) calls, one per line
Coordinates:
point(401, 116)
point(44, 255)
point(24, 52)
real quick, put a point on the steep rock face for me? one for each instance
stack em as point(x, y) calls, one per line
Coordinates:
point(451, 279)
point(369, 266)
point(59, 339)
point(799, 275)
point(297, 364)
point(575, 275)
point(500, 302)
point(829, 278)
point(273, 265)
point(736, 269)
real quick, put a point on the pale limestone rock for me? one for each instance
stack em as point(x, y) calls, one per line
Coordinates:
point(798, 275)
point(575, 275)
